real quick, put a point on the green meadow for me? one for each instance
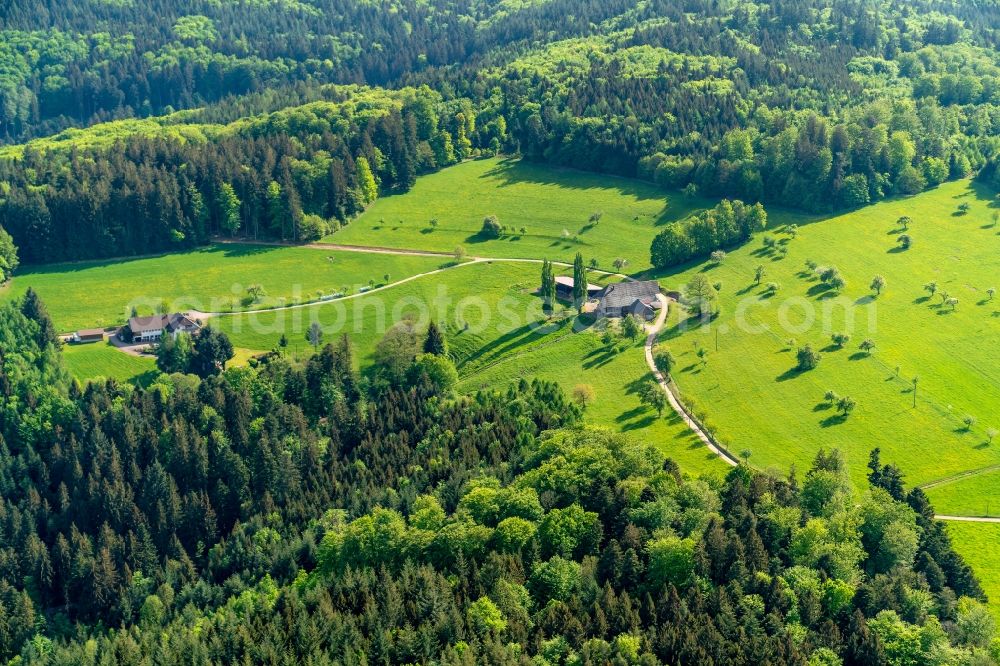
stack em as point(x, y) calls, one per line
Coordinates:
point(576, 358)
point(480, 305)
point(745, 382)
point(979, 545)
point(552, 205)
point(972, 495)
point(100, 359)
point(214, 279)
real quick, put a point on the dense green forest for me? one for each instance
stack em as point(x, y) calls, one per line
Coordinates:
point(303, 513)
point(814, 104)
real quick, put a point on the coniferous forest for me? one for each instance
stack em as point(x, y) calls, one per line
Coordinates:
point(302, 513)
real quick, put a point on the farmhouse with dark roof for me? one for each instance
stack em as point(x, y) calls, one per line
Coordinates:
point(624, 298)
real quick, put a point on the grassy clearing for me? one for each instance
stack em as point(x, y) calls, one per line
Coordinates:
point(754, 399)
point(979, 544)
point(581, 358)
point(214, 279)
point(553, 205)
point(102, 360)
point(495, 299)
point(977, 495)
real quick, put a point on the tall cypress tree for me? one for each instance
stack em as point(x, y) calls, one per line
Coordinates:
point(579, 281)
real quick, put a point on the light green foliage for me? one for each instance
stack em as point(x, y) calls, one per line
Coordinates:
point(438, 370)
point(555, 579)
point(671, 561)
point(195, 28)
point(570, 531)
point(485, 617)
point(8, 256)
point(889, 531)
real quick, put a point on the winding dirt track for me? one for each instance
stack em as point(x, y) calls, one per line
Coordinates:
point(675, 404)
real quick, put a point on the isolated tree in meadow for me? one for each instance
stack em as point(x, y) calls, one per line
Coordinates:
point(904, 222)
point(969, 421)
point(435, 342)
point(772, 288)
point(944, 296)
point(831, 397)
point(255, 292)
point(840, 339)
point(458, 253)
point(631, 327)
point(811, 265)
point(991, 434)
point(807, 358)
point(699, 295)
point(434, 223)
point(759, 274)
point(846, 405)
point(583, 394)
point(315, 335)
point(385, 278)
point(904, 241)
point(718, 256)
point(991, 292)
point(878, 284)
point(596, 216)
point(619, 263)
point(952, 302)
point(594, 263)
point(491, 227)
point(867, 345)
point(931, 288)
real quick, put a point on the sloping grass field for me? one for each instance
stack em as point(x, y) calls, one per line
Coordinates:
point(100, 359)
point(214, 279)
point(747, 386)
point(979, 545)
point(552, 205)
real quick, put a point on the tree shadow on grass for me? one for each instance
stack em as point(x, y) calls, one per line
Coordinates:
point(644, 422)
point(858, 355)
point(823, 407)
point(791, 373)
point(865, 300)
point(832, 420)
point(896, 250)
point(630, 414)
point(921, 300)
point(820, 290)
